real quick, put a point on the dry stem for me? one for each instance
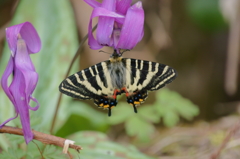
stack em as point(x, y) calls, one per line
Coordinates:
point(42, 137)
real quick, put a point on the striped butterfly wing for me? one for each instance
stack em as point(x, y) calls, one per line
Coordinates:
point(91, 83)
point(96, 82)
point(146, 76)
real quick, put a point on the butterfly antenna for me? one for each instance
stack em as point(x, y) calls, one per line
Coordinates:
point(125, 51)
point(104, 52)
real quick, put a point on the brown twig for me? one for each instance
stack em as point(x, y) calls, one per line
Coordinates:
point(42, 137)
point(233, 130)
point(67, 74)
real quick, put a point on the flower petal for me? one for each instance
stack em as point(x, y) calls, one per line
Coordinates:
point(104, 30)
point(93, 3)
point(36, 107)
point(24, 82)
point(22, 40)
point(28, 33)
point(109, 5)
point(92, 42)
point(4, 80)
point(24, 64)
point(5, 122)
point(17, 89)
point(122, 6)
point(132, 30)
point(105, 24)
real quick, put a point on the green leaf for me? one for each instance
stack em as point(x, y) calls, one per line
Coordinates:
point(34, 149)
point(187, 109)
point(170, 119)
point(81, 117)
point(121, 113)
point(148, 113)
point(88, 137)
point(15, 140)
point(78, 122)
point(97, 145)
point(170, 105)
point(50, 151)
point(12, 154)
point(139, 128)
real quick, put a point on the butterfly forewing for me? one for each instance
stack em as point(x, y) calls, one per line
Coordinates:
point(86, 84)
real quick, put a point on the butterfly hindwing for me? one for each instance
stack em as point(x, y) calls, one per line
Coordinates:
point(146, 76)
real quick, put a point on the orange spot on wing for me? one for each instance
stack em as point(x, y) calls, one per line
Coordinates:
point(136, 102)
point(105, 106)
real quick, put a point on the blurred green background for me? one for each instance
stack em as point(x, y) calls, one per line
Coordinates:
point(199, 38)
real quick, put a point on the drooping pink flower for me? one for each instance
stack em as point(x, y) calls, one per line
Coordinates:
point(120, 25)
point(23, 40)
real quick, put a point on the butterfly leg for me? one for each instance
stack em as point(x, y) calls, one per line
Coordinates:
point(116, 93)
point(124, 90)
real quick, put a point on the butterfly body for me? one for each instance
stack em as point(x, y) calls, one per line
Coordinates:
point(104, 81)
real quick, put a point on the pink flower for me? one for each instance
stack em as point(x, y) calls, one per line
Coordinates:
point(23, 40)
point(120, 25)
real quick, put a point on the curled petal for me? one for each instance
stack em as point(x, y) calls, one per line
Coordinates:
point(93, 3)
point(92, 42)
point(5, 122)
point(132, 29)
point(99, 11)
point(4, 80)
point(34, 100)
point(105, 27)
point(28, 33)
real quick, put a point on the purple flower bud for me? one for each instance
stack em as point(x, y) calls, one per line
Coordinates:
point(22, 40)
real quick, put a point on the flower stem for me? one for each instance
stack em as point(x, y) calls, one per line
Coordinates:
point(42, 137)
point(67, 74)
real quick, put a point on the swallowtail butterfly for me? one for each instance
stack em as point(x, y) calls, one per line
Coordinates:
point(104, 81)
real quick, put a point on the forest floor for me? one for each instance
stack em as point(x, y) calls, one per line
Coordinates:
point(219, 139)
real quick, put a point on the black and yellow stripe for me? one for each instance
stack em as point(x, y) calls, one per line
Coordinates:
point(104, 81)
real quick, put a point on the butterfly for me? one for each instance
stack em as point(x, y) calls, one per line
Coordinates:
point(106, 80)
